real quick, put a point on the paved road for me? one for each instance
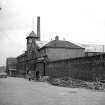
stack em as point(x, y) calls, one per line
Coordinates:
point(18, 91)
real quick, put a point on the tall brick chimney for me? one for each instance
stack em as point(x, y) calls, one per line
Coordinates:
point(38, 27)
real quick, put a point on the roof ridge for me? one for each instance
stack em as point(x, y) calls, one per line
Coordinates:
point(33, 34)
point(62, 44)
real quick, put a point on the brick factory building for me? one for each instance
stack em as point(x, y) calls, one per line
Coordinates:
point(11, 66)
point(59, 58)
point(38, 53)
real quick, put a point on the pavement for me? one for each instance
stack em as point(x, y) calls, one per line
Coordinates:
point(19, 91)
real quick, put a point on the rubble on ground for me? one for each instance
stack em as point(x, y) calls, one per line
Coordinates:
point(75, 83)
point(44, 78)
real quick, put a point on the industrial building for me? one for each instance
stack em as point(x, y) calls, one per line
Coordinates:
point(39, 53)
point(11, 66)
point(57, 58)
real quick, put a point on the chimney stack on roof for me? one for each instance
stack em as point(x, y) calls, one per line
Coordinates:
point(64, 39)
point(57, 38)
point(38, 27)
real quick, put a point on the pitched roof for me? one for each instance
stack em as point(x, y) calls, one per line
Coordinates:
point(40, 44)
point(32, 34)
point(62, 44)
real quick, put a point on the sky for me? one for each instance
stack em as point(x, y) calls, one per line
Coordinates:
point(78, 21)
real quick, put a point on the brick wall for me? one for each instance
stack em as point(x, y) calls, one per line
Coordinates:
point(40, 68)
point(63, 53)
point(85, 68)
point(20, 69)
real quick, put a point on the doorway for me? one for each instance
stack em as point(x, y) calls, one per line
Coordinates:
point(37, 75)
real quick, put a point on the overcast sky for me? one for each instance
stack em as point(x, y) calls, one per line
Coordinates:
point(78, 21)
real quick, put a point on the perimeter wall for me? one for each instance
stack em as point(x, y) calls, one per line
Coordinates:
point(85, 68)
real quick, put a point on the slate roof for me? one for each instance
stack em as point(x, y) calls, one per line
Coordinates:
point(62, 44)
point(41, 44)
point(32, 34)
